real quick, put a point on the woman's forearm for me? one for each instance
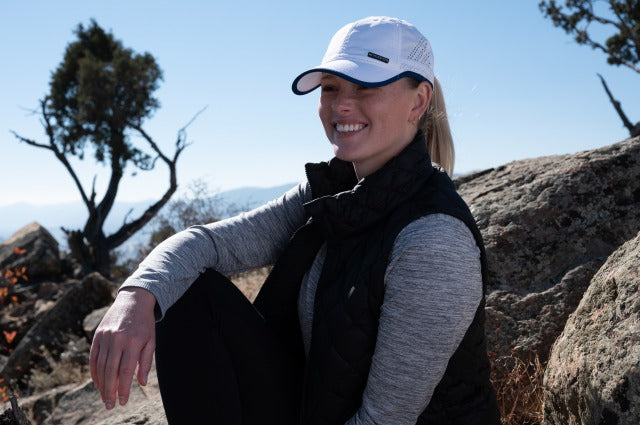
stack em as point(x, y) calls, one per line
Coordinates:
point(249, 240)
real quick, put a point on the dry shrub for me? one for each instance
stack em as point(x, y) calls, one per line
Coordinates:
point(251, 281)
point(518, 385)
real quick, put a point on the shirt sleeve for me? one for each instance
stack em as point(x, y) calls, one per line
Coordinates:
point(252, 239)
point(433, 289)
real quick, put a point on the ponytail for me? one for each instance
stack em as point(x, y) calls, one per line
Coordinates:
point(435, 126)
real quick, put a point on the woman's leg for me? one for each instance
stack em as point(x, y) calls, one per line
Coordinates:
point(219, 363)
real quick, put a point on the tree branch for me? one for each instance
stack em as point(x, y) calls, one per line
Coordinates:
point(628, 65)
point(93, 190)
point(575, 13)
point(180, 140)
point(18, 414)
point(605, 21)
point(618, 108)
point(149, 140)
point(52, 147)
point(128, 229)
point(126, 217)
point(30, 142)
point(95, 223)
point(595, 45)
point(630, 33)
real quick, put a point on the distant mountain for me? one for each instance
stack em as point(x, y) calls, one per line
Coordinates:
point(72, 215)
point(246, 198)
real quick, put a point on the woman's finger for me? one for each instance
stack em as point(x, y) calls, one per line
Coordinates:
point(111, 376)
point(101, 365)
point(125, 373)
point(93, 361)
point(146, 357)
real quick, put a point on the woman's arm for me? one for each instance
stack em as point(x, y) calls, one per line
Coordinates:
point(433, 288)
point(249, 240)
point(126, 335)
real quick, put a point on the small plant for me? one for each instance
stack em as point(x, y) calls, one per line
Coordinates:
point(518, 385)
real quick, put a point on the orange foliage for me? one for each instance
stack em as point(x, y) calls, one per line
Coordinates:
point(9, 336)
point(19, 251)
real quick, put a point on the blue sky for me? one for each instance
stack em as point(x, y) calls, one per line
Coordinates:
point(515, 86)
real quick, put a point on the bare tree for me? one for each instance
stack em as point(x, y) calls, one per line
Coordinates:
point(100, 94)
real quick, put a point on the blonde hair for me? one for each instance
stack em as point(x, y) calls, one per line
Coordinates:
point(435, 126)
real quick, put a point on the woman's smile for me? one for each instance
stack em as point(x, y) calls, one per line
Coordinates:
point(349, 128)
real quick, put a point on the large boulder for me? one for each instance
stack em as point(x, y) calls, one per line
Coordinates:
point(548, 224)
point(32, 247)
point(593, 374)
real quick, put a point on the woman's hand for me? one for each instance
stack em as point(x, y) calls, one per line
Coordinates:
point(125, 337)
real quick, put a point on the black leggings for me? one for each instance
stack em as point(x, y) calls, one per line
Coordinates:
point(219, 363)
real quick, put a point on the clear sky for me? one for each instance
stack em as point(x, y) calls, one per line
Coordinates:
point(515, 86)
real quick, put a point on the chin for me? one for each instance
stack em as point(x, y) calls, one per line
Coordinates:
point(343, 155)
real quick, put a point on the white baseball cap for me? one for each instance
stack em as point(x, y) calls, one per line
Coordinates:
point(372, 52)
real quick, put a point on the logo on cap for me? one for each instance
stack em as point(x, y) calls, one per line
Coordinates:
point(378, 57)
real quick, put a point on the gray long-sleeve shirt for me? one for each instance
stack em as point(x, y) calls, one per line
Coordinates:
point(433, 286)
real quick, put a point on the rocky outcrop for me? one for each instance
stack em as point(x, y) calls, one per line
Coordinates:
point(548, 224)
point(34, 246)
point(593, 375)
point(40, 348)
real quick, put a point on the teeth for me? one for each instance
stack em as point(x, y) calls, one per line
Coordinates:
point(349, 127)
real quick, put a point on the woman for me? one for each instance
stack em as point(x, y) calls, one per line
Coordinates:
point(374, 310)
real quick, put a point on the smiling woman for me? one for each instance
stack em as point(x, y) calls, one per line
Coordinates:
point(374, 310)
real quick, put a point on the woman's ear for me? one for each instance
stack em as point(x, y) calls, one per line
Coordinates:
point(424, 92)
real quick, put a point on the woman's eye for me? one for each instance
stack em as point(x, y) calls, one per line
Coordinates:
point(326, 89)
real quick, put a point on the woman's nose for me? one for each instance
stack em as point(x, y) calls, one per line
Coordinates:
point(343, 101)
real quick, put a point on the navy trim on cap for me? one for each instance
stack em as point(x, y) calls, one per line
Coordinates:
point(411, 74)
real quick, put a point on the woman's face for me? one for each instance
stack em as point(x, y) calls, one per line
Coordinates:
point(369, 126)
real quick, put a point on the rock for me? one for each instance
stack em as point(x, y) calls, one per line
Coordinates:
point(70, 266)
point(91, 322)
point(534, 321)
point(42, 345)
point(80, 404)
point(593, 374)
point(32, 247)
point(547, 224)
point(83, 406)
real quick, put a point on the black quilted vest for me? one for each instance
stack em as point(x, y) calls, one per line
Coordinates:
point(359, 223)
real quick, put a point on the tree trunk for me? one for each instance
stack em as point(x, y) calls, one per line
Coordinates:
point(92, 252)
point(100, 254)
point(79, 249)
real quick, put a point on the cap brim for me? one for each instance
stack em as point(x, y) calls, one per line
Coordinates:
point(364, 74)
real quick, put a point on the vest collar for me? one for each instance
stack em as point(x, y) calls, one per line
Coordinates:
point(344, 207)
